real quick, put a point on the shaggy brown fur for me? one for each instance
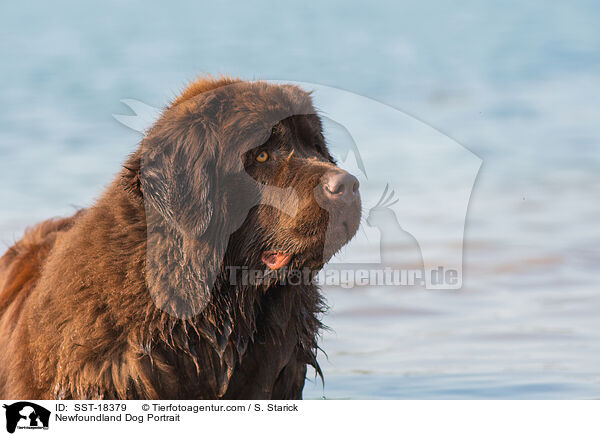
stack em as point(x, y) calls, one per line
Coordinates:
point(134, 298)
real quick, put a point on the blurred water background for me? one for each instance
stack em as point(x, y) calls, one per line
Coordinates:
point(517, 83)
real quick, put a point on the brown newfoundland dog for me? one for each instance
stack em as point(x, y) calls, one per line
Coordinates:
point(177, 283)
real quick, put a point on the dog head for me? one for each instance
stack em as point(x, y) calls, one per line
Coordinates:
point(238, 173)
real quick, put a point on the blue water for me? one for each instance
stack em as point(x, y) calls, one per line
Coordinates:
point(517, 83)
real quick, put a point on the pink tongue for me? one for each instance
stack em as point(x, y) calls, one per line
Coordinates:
point(275, 259)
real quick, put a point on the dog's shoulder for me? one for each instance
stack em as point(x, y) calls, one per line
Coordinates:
point(21, 265)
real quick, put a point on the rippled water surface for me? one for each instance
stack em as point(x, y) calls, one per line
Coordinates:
point(517, 84)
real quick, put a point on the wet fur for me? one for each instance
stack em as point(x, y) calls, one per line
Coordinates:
point(76, 317)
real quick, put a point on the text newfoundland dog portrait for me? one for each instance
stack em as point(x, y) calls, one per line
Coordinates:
point(143, 294)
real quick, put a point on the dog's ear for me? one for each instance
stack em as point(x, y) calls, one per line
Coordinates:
point(177, 171)
point(185, 243)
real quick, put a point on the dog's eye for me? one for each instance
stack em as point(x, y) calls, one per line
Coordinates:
point(263, 156)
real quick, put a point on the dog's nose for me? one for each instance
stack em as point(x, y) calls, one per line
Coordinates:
point(340, 185)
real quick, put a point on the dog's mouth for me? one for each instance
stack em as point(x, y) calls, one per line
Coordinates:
point(312, 251)
point(276, 259)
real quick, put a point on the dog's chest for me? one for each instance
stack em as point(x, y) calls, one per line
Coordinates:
point(240, 362)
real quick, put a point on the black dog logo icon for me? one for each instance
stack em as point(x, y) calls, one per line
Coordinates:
point(26, 415)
